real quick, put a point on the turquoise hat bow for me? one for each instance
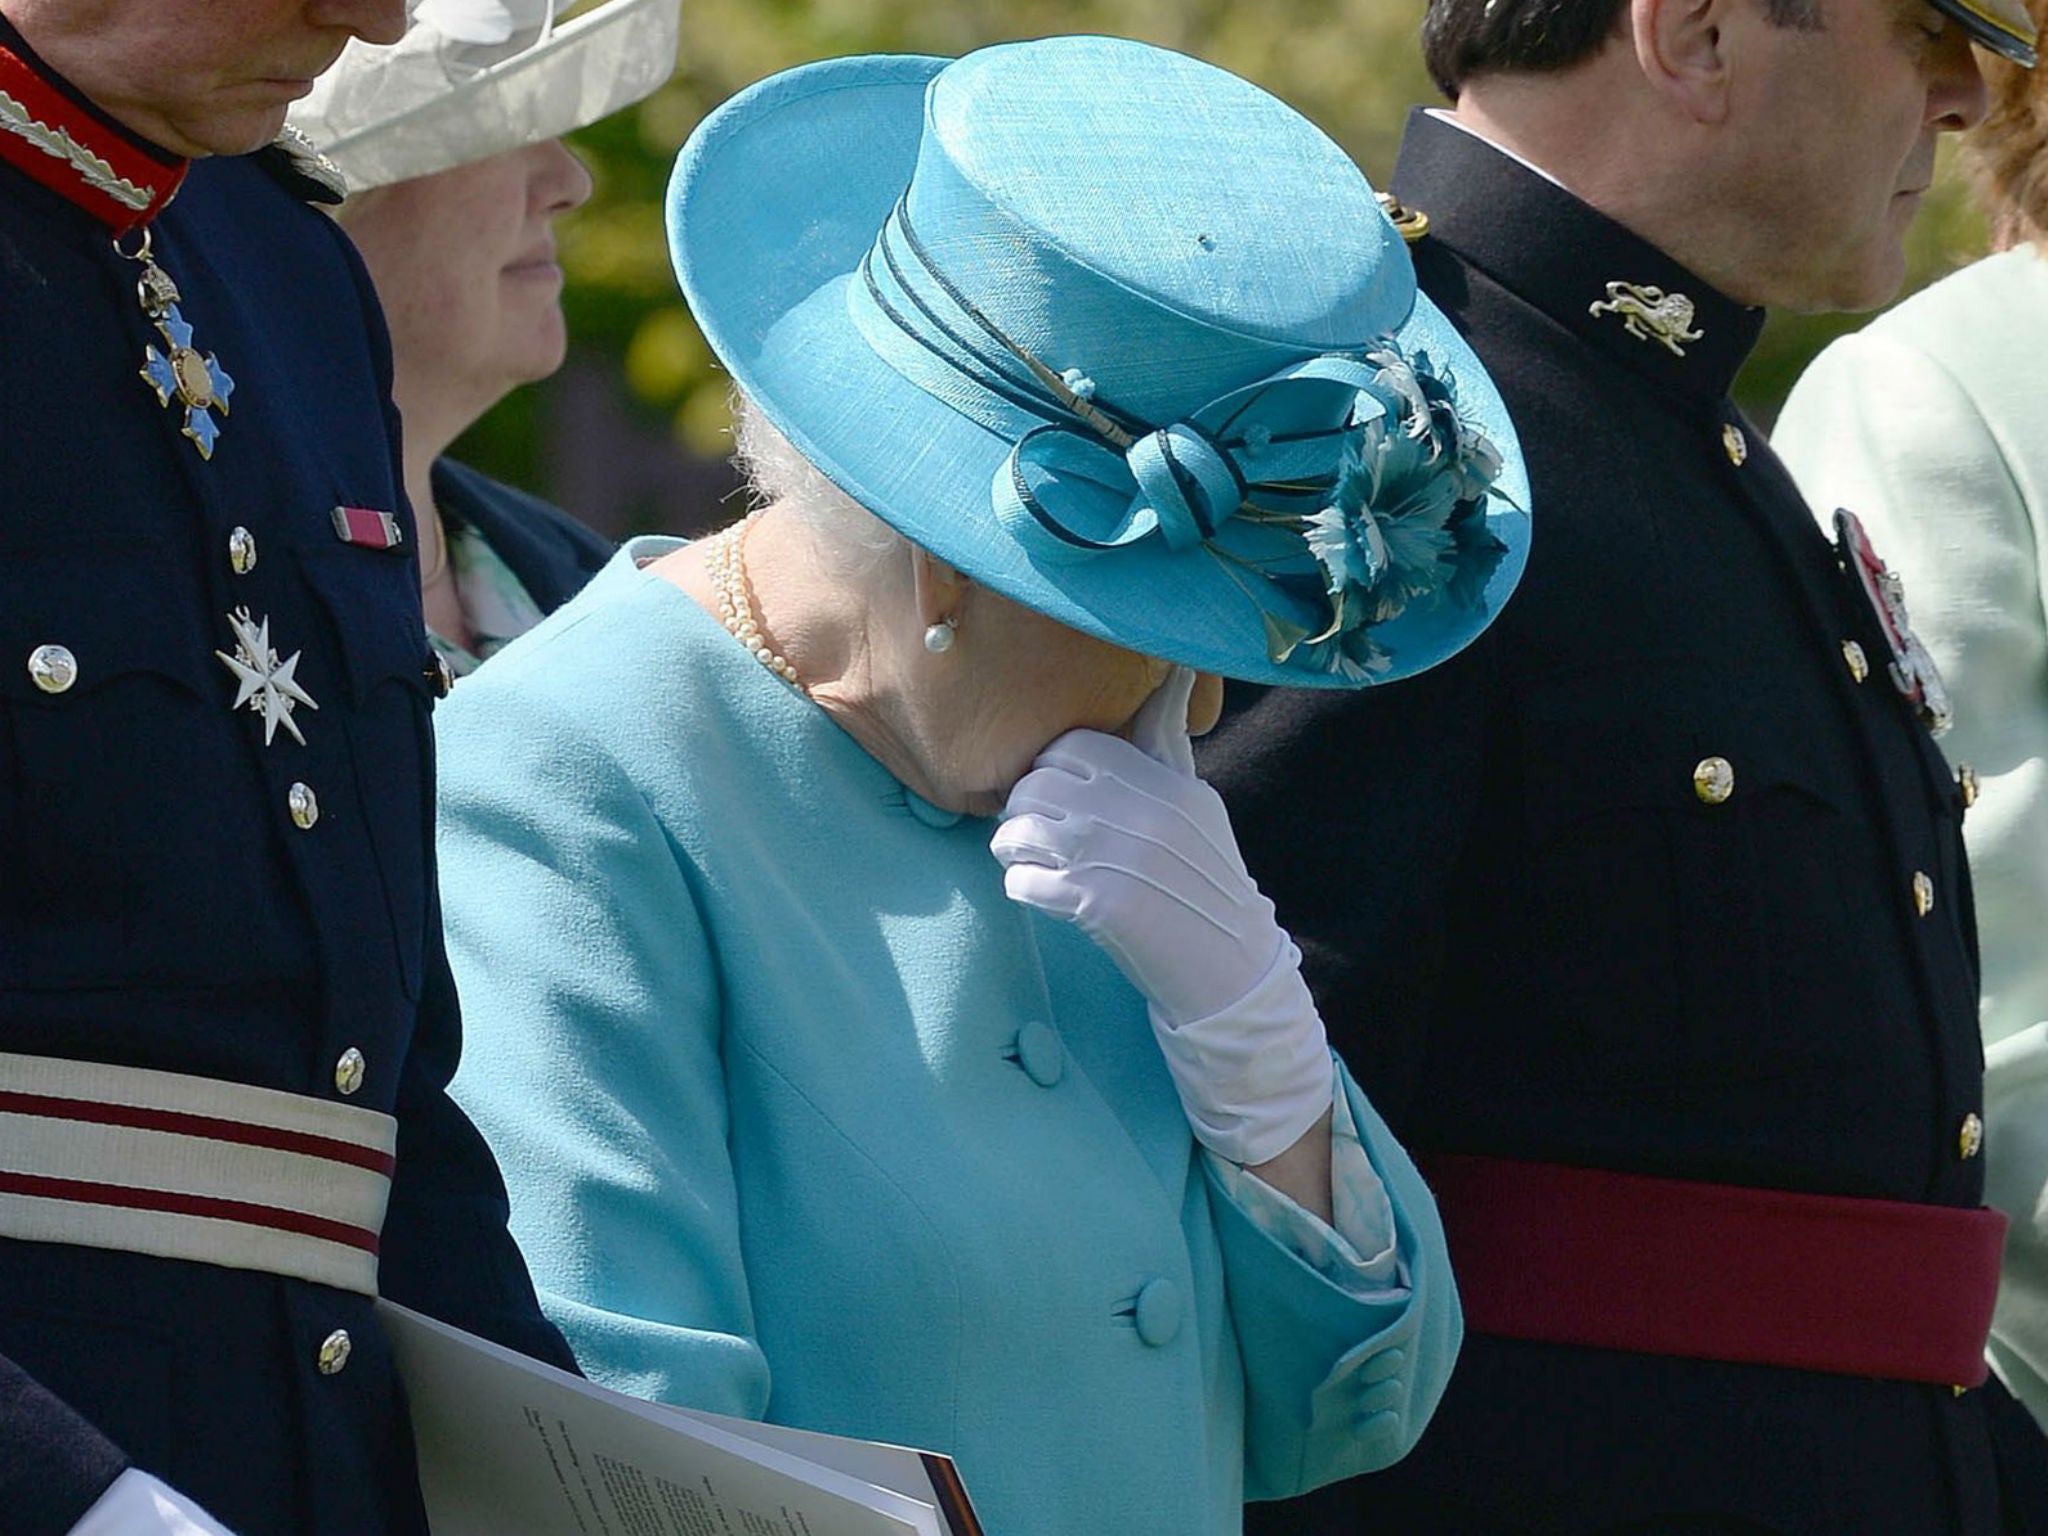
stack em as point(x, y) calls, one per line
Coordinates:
point(1119, 335)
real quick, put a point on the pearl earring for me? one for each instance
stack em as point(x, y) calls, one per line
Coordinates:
point(939, 637)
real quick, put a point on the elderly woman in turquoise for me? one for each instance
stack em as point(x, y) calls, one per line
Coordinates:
point(876, 1024)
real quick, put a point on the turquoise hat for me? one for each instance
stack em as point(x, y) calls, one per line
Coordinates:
point(1118, 335)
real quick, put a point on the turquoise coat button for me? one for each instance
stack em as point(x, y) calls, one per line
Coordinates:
point(1040, 1053)
point(1159, 1312)
point(936, 816)
point(1384, 1366)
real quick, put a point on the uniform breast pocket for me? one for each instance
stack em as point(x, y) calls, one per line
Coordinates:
point(1688, 868)
point(373, 610)
point(126, 850)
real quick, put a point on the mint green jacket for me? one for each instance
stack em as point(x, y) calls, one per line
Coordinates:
point(803, 1119)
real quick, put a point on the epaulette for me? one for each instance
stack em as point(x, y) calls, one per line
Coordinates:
point(296, 162)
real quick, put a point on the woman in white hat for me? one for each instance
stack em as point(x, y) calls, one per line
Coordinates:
point(449, 141)
point(876, 1026)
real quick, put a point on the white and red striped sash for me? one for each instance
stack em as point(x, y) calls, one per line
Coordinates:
point(193, 1168)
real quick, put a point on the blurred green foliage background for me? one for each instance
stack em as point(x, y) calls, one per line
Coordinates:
point(641, 378)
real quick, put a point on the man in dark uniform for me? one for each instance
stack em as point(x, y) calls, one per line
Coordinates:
point(1646, 921)
point(226, 1020)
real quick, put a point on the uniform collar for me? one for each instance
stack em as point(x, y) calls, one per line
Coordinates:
point(1599, 280)
point(50, 132)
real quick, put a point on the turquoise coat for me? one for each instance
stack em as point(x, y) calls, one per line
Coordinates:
point(804, 1120)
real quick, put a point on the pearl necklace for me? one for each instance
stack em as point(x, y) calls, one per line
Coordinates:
point(728, 567)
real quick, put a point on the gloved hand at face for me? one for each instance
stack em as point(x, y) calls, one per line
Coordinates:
point(1121, 839)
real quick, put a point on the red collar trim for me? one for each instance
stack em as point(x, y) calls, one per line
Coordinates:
point(51, 138)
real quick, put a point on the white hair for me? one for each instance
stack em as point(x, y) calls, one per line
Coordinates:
point(778, 475)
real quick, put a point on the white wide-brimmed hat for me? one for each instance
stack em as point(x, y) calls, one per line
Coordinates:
point(474, 78)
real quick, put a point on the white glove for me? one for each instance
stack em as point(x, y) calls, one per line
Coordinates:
point(136, 1504)
point(1160, 727)
point(1136, 851)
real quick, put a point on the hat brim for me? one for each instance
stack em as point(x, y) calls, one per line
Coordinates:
point(771, 208)
point(588, 68)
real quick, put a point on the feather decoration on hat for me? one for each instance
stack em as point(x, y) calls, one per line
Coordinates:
point(1405, 526)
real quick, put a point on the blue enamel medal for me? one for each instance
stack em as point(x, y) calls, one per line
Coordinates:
point(196, 381)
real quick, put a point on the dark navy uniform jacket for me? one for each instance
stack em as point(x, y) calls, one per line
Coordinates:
point(159, 904)
point(1533, 938)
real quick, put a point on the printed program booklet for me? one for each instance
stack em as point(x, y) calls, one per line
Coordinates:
point(511, 1447)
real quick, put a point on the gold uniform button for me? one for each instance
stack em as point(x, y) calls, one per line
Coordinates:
point(1923, 892)
point(1713, 780)
point(439, 675)
point(242, 551)
point(1970, 1139)
point(1410, 223)
point(1859, 664)
point(334, 1352)
point(1736, 444)
point(53, 668)
point(349, 1070)
point(1966, 781)
point(305, 806)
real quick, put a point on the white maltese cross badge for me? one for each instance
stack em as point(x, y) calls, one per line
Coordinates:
point(265, 685)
